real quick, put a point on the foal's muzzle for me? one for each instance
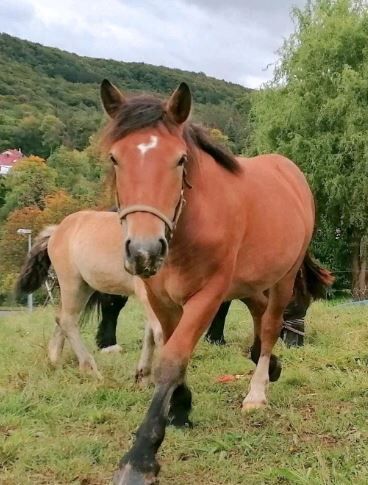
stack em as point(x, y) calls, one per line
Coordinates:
point(145, 257)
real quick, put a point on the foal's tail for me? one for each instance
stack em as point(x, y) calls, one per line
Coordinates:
point(36, 265)
point(317, 278)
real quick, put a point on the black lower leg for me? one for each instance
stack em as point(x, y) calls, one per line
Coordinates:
point(180, 407)
point(215, 334)
point(274, 370)
point(111, 305)
point(139, 464)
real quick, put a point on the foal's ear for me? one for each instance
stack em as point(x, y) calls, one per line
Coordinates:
point(180, 103)
point(112, 98)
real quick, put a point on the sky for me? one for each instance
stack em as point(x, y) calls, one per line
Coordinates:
point(235, 40)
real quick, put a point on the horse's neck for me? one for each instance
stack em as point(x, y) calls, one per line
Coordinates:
point(211, 199)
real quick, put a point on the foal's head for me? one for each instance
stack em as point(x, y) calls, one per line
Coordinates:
point(146, 143)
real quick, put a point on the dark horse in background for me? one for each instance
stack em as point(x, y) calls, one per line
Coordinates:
point(292, 332)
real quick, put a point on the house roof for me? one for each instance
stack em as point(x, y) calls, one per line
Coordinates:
point(10, 157)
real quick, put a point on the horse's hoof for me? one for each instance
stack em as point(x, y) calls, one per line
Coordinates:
point(215, 341)
point(129, 476)
point(90, 367)
point(274, 370)
point(250, 406)
point(112, 349)
point(181, 422)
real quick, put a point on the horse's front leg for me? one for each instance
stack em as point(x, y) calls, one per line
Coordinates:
point(172, 398)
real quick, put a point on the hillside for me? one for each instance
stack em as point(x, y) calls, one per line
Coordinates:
point(49, 93)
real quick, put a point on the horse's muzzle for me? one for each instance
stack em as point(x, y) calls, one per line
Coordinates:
point(144, 257)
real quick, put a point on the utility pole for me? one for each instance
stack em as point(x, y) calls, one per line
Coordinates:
point(28, 232)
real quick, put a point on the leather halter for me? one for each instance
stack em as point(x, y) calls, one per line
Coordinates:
point(170, 224)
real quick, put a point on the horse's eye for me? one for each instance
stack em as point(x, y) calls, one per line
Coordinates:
point(182, 160)
point(113, 160)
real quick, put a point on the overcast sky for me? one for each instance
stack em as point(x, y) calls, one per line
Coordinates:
point(233, 40)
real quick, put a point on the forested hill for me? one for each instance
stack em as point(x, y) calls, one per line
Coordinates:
point(50, 97)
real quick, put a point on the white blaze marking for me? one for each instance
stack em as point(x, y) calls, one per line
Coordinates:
point(144, 147)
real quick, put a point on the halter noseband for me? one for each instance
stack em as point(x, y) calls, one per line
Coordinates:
point(170, 224)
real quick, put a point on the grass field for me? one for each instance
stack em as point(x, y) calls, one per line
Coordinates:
point(58, 427)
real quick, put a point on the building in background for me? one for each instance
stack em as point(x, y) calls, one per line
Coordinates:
point(8, 159)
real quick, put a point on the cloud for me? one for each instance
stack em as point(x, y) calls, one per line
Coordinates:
point(14, 12)
point(233, 40)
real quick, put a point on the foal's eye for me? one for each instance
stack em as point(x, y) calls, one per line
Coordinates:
point(182, 160)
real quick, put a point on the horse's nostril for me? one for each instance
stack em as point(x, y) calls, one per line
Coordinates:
point(163, 246)
point(127, 247)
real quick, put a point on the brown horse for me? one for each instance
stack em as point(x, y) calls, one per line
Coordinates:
point(243, 233)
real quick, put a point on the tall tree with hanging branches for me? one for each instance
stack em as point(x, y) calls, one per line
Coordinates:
point(315, 112)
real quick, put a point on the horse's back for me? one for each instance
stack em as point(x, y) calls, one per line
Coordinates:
point(276, 175)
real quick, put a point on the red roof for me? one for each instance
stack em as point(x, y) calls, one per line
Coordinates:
point(9, 157)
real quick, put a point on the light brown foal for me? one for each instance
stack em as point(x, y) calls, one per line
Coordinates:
point(85, 250)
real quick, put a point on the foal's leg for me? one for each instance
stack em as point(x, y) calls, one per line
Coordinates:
point(215, 334)
point(111, 306)
point(271, 322)
point(73, 300)
point(152, 337)
point(139, 465)
point(56, 344)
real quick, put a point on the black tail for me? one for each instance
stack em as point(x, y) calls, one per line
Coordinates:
point(36, 265)
point(94, 304)
point(317, 278)
point(103, 304)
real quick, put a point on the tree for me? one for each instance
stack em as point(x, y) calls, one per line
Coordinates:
point(57, 207)
point(77, 173)
point(315, 112)
point(219, 137)
point(13, 247)
point(27, 184)
point(52, 129)
point(28, 135)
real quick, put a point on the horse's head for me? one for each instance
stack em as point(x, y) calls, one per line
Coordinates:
point(147, 147)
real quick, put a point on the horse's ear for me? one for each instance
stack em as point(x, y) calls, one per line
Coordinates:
point(112, 98)
point(180, 103)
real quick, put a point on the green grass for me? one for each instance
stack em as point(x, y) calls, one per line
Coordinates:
point(58, 427)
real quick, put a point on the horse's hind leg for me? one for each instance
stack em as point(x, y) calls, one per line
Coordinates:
point(257, 306)
point(73, 301)
point(270, 326)
point(215, 334)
